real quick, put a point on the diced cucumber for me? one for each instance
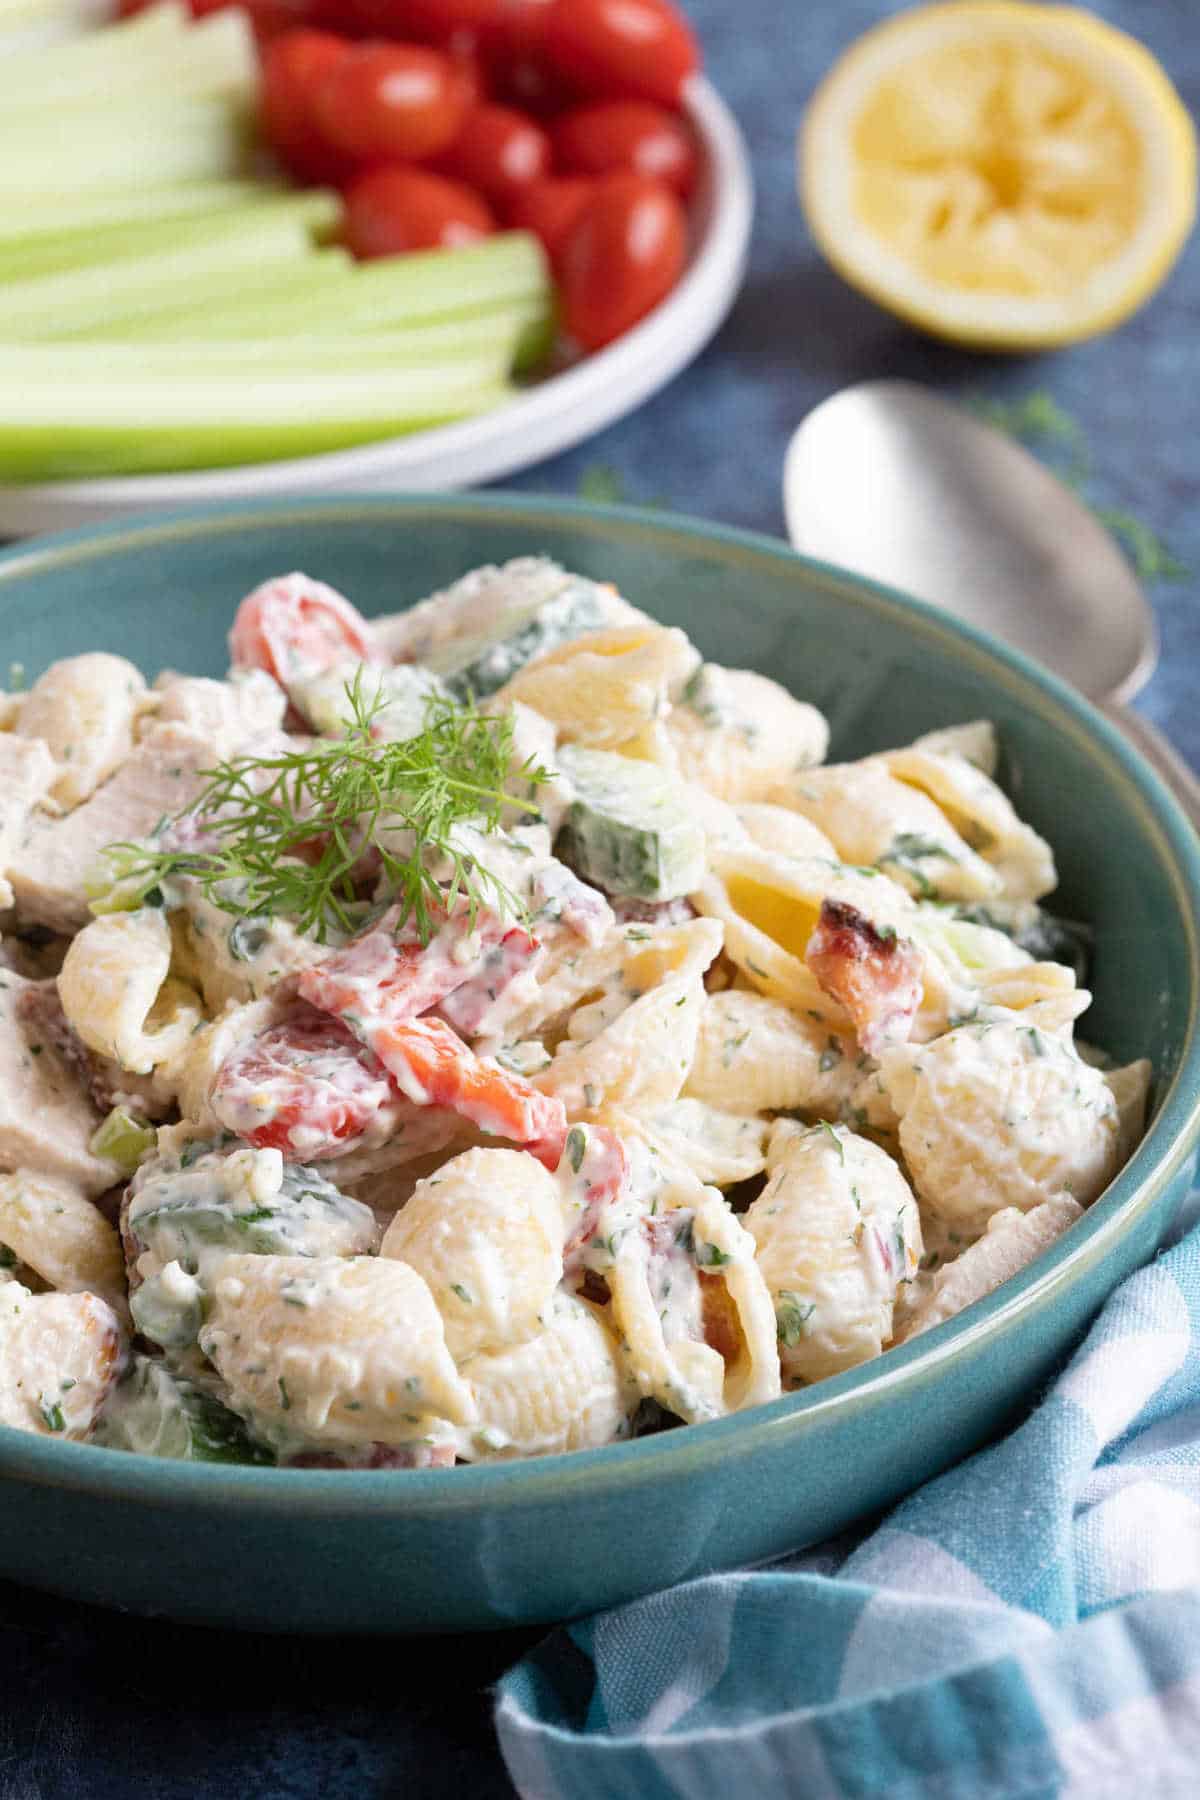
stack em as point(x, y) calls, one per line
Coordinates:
point(507, 616)
point(155, 1413)
point(628, 828)
point(123, 1139)
point(246, 1202)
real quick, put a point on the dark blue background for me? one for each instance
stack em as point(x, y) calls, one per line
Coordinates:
point(99, 1707)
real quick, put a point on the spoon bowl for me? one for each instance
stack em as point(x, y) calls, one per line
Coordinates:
point(890, 480)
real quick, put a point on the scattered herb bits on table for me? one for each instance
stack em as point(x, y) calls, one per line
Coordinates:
point(260, 238)
point(492, 1030)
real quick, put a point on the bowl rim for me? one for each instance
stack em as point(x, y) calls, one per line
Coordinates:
point(1167, 1147)
point(544, 417)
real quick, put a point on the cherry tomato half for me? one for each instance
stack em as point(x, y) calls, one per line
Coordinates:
point(622, 49)
point(499, 151)
point(550, 208)
point(391, 209)
point(631, 135)
point(294, 627)
point(391, 100)
point(292, 66)
point(623, 255)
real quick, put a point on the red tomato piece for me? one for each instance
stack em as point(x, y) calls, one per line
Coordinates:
point(433, 1067)
point(550, 208)
point(623, 255)
point(622, 49)
point(309, 1082)
point(633, 136)
point(512, 51)
point(499, 151)
point(440, 19)
point(595, 1165)
point(391, 209)
point(292, 65)
point(470, 1008)
point(295, 627)
point(386, 975)
point(391, 100)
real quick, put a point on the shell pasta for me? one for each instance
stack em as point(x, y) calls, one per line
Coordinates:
point(496, 1031)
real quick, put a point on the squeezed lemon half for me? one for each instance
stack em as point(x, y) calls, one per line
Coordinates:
point(1005, 175)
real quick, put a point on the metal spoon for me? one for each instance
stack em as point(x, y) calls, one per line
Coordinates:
point(887, 479)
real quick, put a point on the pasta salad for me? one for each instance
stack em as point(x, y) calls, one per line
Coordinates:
point(493, 1030)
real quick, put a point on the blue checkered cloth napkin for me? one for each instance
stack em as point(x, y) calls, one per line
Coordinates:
point(1027, 1625)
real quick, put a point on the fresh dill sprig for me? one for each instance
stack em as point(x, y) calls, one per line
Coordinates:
point(288, 834)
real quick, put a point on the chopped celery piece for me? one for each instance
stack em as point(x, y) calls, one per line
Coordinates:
point(123, 1139)
point(181, 140)
point(27, 218)
point(61, 300)
point(215, 56)
point(318, 212)
point(78, 364)
point(122, 425)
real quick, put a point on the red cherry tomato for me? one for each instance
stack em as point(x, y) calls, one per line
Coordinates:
point(512, 51)
point(622, 49)
point(304, 1087)
point(391, 209)
point(439, 19)
point(630, 135)
point(550, 208)
point(293, 627)
point(391, 100)
point(499, 151)
point(623, 255)
point(292, 66)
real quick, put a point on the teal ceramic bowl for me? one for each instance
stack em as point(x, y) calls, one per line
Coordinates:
point(522, 1542)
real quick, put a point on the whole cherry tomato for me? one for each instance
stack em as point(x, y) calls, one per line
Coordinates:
point(292, 67)
point(622, 49)
point(512, 50)
point(391, 100)
point(390, 209)
point(439, 19)
point(624, 254)
point(631, 135)
point(549, 208)
point(498, 151)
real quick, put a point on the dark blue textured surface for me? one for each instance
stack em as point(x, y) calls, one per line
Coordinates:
point(98, 1707)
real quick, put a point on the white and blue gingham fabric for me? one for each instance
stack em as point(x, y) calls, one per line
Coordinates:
point(1027, 1625)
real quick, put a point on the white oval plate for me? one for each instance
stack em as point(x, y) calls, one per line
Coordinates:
point(554, 415)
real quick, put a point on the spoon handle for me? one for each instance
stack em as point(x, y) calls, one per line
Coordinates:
point(1162, 756)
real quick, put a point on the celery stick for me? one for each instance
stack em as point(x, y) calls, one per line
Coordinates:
point(31, 216)
point(135, 314)
point(111, 146)
point(63, 300)
point(396, 292)
point(318, 211)
point(216, 56)
point(116, 425)
point(112, 44)
point(88, 360)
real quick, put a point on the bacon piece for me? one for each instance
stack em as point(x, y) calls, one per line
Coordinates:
point(872, 972)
